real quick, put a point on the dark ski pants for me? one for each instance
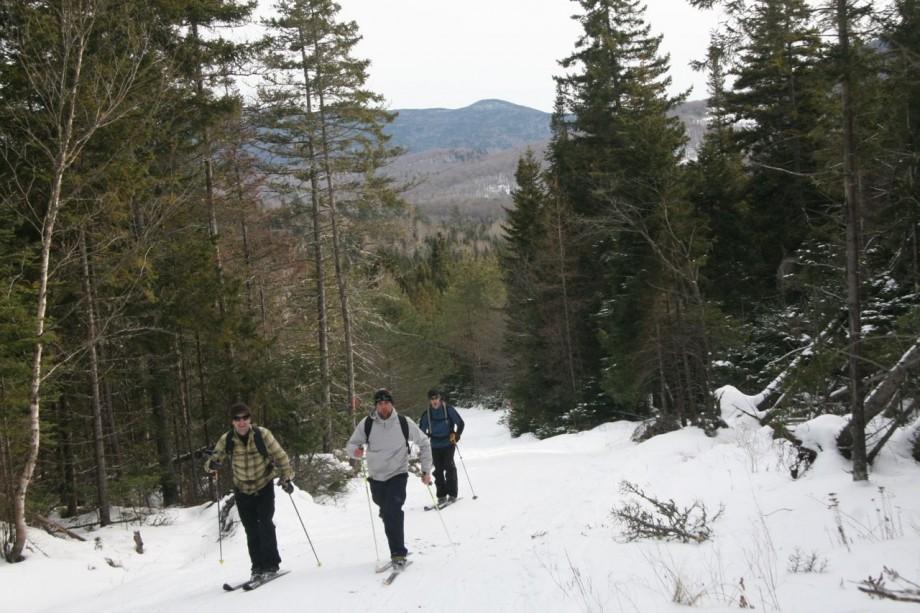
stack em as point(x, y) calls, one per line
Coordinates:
point(256, 512)
point(390, 495)
point(445, 471)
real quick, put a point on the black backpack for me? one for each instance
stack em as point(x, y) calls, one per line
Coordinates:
point(403, 424)
point(260, 445)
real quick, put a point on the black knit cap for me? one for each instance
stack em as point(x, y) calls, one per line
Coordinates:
point(382, 394)
point(432, 393)
point(239, 408)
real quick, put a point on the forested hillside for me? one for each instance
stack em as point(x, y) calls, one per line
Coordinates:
point(169, 247)
point(461, 162)
point(487, 125)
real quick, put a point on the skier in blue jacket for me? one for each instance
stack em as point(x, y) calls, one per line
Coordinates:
point(443, 425)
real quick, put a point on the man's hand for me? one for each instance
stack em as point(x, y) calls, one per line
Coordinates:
point(213, 467)
point(287, 486)
point(359, 452)
point(426, 478)
point(453, 438)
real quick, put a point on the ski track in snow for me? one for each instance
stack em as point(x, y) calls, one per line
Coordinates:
point(539, 537)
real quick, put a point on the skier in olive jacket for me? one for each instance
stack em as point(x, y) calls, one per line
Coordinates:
point(255, 458)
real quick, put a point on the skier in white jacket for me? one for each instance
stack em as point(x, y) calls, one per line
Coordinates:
point(386, 436)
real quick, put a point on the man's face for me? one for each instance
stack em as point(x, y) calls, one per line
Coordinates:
point(241, 423)
point(434, 401)
point(384, 408)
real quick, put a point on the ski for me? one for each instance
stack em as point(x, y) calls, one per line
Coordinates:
point(229, 588)
point(396, 571)
point(248, 586)
point(447, 503)
point(382, 566)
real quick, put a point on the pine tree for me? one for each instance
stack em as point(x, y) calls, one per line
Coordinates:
point(900, 114)
point(717, 184)
point(777, 102)
point(524, 234)
point(617, 163)
point(320, 118)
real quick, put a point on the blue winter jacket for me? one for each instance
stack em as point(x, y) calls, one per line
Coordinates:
point(439, 423)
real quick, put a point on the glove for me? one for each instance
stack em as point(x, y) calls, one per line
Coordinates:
point(453, 438)
point(287, 486)
point(214, 466)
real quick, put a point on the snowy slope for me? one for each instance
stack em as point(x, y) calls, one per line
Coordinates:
point(539, 537)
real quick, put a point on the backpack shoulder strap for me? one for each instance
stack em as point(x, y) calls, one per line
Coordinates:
point(428, 423)
point(404, 425)
point(260, 442)
point(257, 436)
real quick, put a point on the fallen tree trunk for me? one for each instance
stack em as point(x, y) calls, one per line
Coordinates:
point(881, 396)
point(53, 526)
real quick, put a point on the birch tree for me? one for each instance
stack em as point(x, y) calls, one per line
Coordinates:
point(79, 63)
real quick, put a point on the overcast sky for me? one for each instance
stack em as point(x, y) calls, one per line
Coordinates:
point(440, 53)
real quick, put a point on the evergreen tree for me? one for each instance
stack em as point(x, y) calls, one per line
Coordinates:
point(899, 221)
point(617, 163)
point(716, 186)
point(322, 126)
point(525, 234)
point(776, 104)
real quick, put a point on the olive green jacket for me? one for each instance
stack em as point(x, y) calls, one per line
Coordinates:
point(252, 471)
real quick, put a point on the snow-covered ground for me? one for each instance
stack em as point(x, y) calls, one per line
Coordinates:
point(540, 536)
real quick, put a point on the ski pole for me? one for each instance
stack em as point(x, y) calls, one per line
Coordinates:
point(309, 540)
point(220, 531)
point(370, 510)
point(441, 517)
point(463, 464)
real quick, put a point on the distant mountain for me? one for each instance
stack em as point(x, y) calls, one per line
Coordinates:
point(487, 125)
point(472, 182)
point(464, 159)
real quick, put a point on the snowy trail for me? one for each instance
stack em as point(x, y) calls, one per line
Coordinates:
point(539, 537)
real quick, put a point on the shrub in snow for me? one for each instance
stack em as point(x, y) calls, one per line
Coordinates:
point(903, 591)
point(649, 517)
point(322, 475)
point(801, 562)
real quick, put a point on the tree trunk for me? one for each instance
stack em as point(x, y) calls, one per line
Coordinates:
point(186, 430)
point(322, 331)
point(202, 397)
point(563, 279)
point(337, 255)
point(68, 459)
point(202, 389)
point(209, 182)
point(881, 396)
point(854, 250)
point(102, 489)
point(25, 477)
point(165, 451)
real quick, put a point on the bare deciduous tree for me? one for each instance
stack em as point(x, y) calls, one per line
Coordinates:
point(73, 94)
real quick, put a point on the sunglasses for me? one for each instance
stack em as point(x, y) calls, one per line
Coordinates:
point(241, 417)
